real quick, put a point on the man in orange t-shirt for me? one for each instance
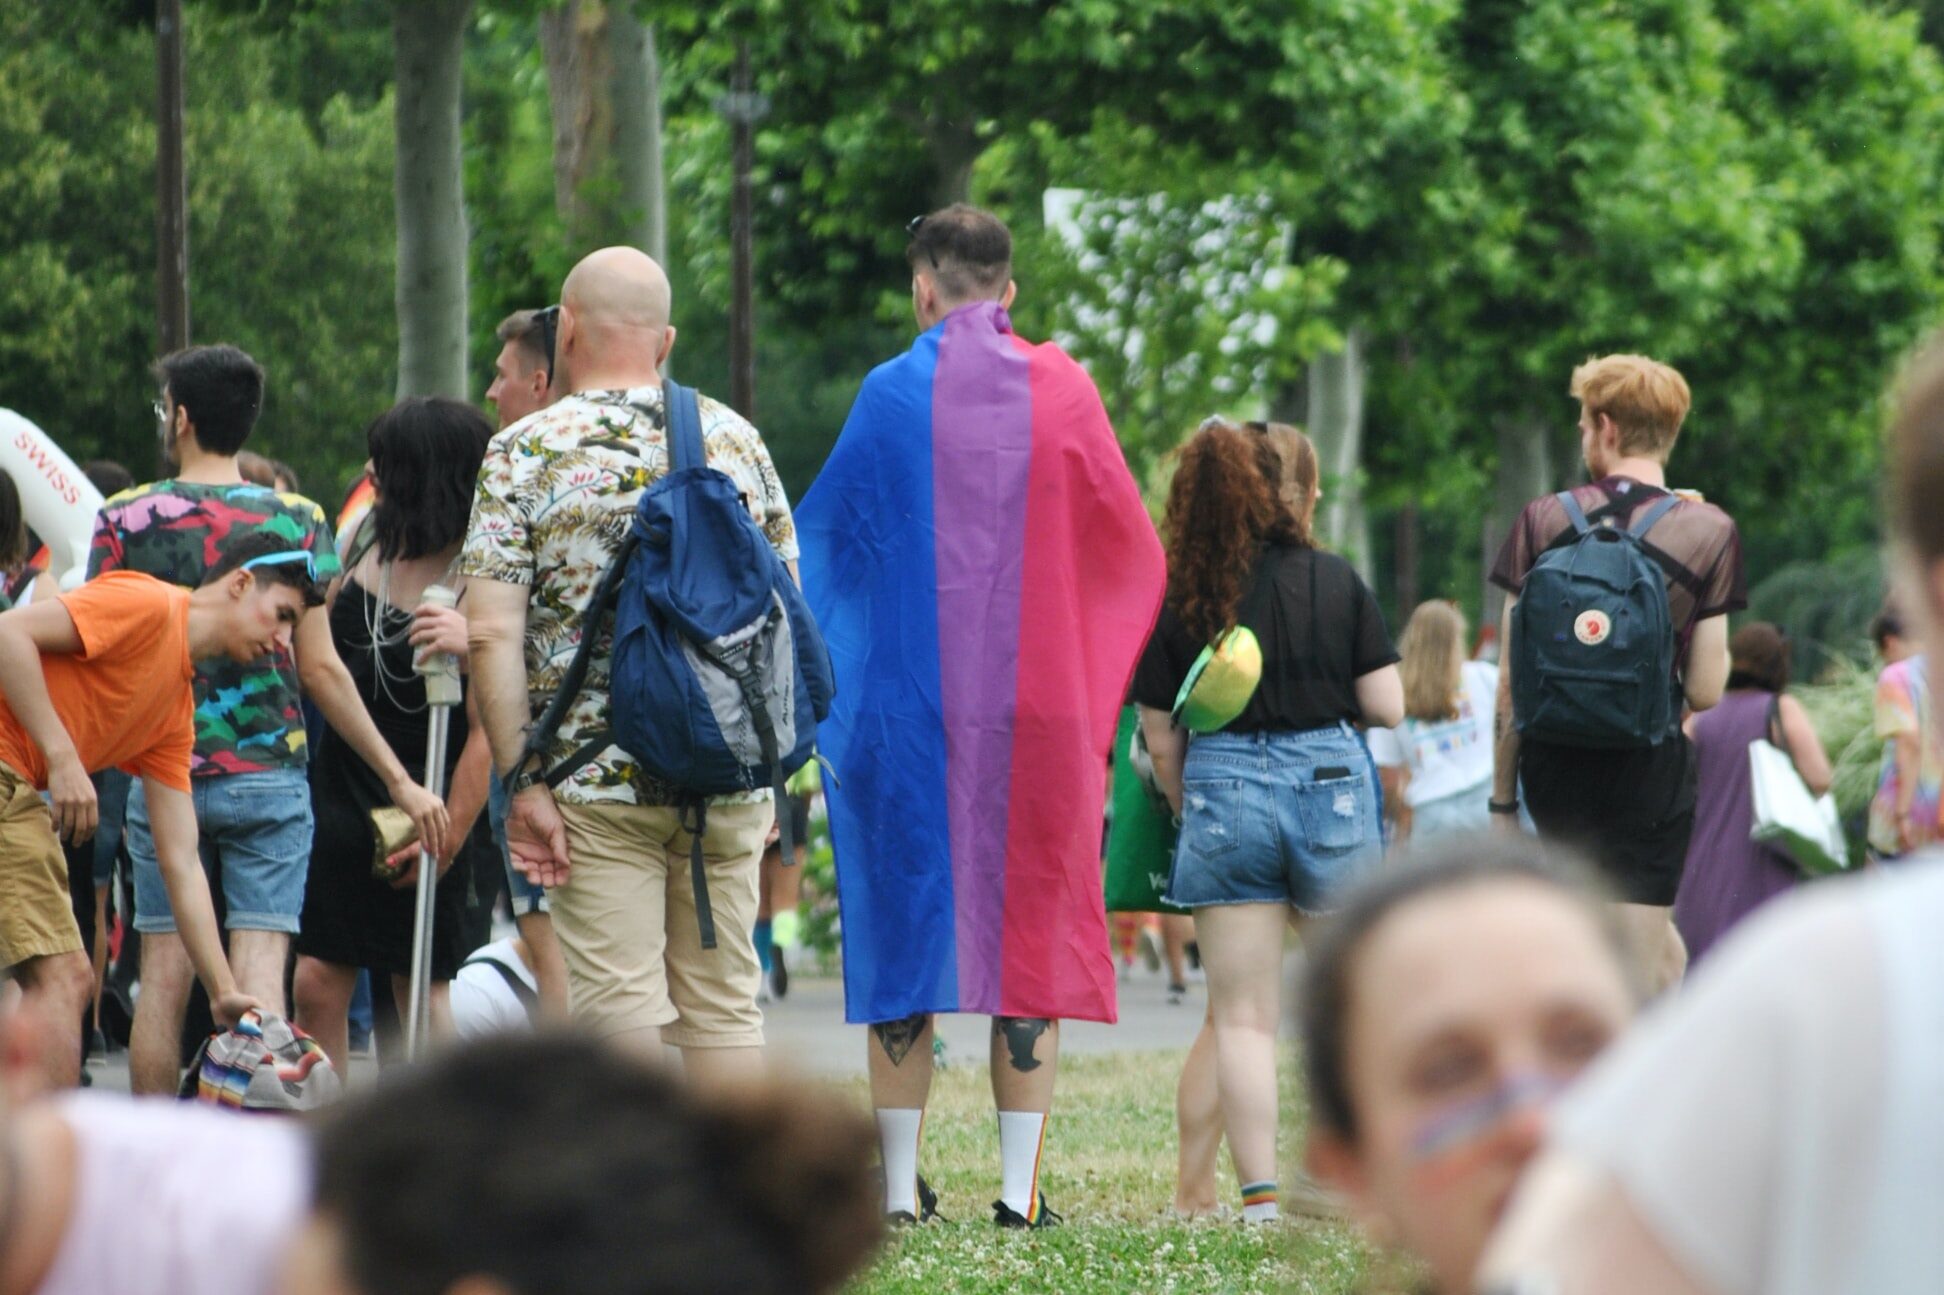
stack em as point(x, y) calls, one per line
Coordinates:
point(99, 678)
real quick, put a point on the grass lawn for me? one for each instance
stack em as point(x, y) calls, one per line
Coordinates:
point(1109, 1168)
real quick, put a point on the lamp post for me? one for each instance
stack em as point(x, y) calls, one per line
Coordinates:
point(171, 197)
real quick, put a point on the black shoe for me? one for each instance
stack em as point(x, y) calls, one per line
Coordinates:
point(1007, 1217)
point(927, 1208)
point(779, 974)
point(1177, 992)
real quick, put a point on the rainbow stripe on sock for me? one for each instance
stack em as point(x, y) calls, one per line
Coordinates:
point(1259, 1193)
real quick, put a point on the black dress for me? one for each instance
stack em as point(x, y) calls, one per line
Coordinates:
point(350, 917)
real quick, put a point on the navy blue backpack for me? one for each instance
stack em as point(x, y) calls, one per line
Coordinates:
point(719, 674)
point(1593, 640)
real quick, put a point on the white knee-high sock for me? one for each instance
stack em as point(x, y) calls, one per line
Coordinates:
point(898, 1132)
point(1022, 1136)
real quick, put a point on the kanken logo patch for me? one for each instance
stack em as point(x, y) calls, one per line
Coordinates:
point(1593, 628)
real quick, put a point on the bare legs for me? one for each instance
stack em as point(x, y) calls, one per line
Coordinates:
point(1198, 1127)
point(323, 991)
point(55, 989)
point(1657, 943)
point(155, 1040)
point(1025, 1060)
point(1025, 1055)
point(900, 1063)
point(1241, 948)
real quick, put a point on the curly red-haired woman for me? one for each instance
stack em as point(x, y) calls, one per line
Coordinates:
point(1279, 804)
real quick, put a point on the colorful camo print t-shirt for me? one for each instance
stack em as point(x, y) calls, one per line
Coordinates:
point(249, 718)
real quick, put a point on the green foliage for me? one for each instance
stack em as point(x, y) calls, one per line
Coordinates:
point(1843, 709)
point(290, 237)
point(1110, 1169)
point(1825, 607)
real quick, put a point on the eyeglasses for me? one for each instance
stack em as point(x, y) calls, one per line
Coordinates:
point(549, 321)
point(912, 227)
point(288, 556)
point(161, 411)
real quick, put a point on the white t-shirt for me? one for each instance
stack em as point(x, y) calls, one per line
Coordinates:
point(482, 1002)
point(1445, 756)
point(1779, 1125)
point(178, 1198)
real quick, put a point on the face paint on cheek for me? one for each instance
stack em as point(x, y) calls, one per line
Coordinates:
point(1455, 1141)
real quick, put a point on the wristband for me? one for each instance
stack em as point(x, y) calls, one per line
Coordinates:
point(1501, 806)
point(529, 776)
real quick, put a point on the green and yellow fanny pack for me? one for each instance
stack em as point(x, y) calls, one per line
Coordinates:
point(1221, 683)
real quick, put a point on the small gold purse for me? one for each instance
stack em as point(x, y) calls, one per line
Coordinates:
point(392, 829)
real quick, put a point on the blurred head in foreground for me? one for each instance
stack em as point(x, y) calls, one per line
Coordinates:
point(1444, 1006)
point(554, 1163)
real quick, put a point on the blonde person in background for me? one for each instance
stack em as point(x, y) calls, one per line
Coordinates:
point(1437, 765)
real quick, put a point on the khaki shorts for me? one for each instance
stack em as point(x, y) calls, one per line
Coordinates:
point(36, 912)
point(627, 927)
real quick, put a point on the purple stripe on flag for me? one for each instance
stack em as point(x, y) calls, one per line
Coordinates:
point(982, 441)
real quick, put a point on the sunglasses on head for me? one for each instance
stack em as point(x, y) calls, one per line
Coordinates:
point(549, 321)
point(281, 559)
point(912, 227)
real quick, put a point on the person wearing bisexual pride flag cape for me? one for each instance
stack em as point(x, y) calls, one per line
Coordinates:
point(985, 574)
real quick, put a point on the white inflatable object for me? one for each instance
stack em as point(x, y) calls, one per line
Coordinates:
point(59, 501)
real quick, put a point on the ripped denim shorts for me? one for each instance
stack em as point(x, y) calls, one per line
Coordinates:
point(1285, 818)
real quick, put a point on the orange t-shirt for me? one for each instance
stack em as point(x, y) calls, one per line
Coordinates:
point(128, 698)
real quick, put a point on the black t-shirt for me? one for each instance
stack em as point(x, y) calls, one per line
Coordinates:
point(1319, 626)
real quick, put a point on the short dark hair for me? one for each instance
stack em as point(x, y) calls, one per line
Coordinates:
point(263, 544)
point(1758, 657)
point(967, 250)
point(1887, 624)
point(107, 476)
point(557, 1162)
point(221, 387)
point(13, 526)
point(425, 456)
point(255, 469)
point(524, 330)
point(1323, 1000)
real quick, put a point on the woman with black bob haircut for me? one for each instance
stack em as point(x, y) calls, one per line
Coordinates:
point(1451, 998)
point(358, 904)
point(525, 1166)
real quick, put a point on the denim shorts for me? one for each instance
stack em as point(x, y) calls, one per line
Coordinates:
point(522, 896)
point(258, 825)
point(1275, 818)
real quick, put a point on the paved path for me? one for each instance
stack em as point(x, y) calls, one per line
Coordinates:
point(807, 1031)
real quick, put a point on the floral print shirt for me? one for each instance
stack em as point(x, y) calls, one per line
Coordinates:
point(556, 496)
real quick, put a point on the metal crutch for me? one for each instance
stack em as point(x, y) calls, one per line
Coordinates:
point(442, 692)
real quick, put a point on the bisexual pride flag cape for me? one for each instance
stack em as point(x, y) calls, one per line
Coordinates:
point(985, 575)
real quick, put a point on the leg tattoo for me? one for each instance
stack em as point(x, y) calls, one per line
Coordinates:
point(897, 1038)
point(1022, 1035)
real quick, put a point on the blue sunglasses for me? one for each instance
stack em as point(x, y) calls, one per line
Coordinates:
point(279, 559)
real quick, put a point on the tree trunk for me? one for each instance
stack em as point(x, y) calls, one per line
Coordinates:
point(1525, 471)
point(1408, 536)
point(428, 43)
point(1336, 418)
point(604, 87)
point(955, 148)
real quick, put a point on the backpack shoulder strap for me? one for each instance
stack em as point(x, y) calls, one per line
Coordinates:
point(684, 426)
point(541, 735)
point(1661, 508)
point(527, 998)
point(1574, 513)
